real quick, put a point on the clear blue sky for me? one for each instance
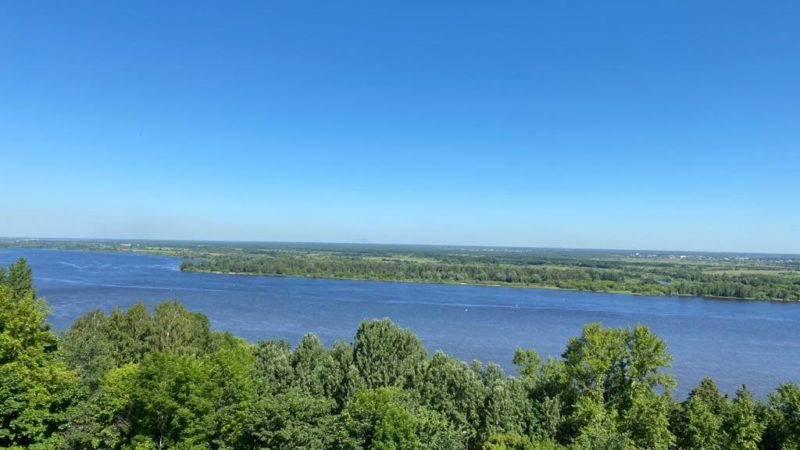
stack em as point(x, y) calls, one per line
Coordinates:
point(658, 125)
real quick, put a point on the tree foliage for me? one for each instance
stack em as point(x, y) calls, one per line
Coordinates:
point(699, 275)
point(35, 384)
point(161, 378)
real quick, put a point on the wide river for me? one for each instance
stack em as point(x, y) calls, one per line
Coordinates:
point(734, 342)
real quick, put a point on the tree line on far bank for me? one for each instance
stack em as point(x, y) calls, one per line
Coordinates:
point(579, 273)
point(161, 378)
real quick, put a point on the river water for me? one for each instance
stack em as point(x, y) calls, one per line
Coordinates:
point(734, 342)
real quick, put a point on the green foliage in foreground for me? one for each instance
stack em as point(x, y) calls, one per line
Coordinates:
point(141, 379)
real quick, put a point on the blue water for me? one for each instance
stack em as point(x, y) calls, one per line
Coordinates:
point(734, 342)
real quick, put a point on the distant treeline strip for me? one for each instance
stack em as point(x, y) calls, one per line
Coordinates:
point(586, 275)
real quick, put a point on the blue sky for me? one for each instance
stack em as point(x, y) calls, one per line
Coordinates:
point(658, 125)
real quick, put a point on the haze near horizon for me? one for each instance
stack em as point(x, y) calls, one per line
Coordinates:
point(615, 125)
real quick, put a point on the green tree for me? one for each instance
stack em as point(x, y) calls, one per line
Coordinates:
point(20, 279)
point(435, 432)
point(387, 355)
point(172, 402)
point(518, 442)
point(621, 371)
point(550, 393)
point(699, 424)
point(231, 373)
point(290, 420)
point(273, 367)
point(742, 426)
point(345, 378)
point(133, 333)
point(646, 421)
point(36, 388)
point(104, 420)
point(598, 429)
point(452, 389)
point(87, 348)
point(782, 417)
point(378, 420)
point(314, 368)
point(505, 407)
point(177, 330)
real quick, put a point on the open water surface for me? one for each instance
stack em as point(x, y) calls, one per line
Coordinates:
point(734, 342)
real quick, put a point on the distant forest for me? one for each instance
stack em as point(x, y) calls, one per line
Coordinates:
point(695, 275)
point(161, 378)
point(736, 276)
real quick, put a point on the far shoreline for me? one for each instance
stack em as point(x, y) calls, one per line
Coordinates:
point(177, 252)
point(490, 285)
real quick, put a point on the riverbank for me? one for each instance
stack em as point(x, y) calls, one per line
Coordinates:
point(679, 274)
point(516, 286)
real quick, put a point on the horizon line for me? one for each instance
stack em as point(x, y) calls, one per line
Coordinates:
point(389, 244)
